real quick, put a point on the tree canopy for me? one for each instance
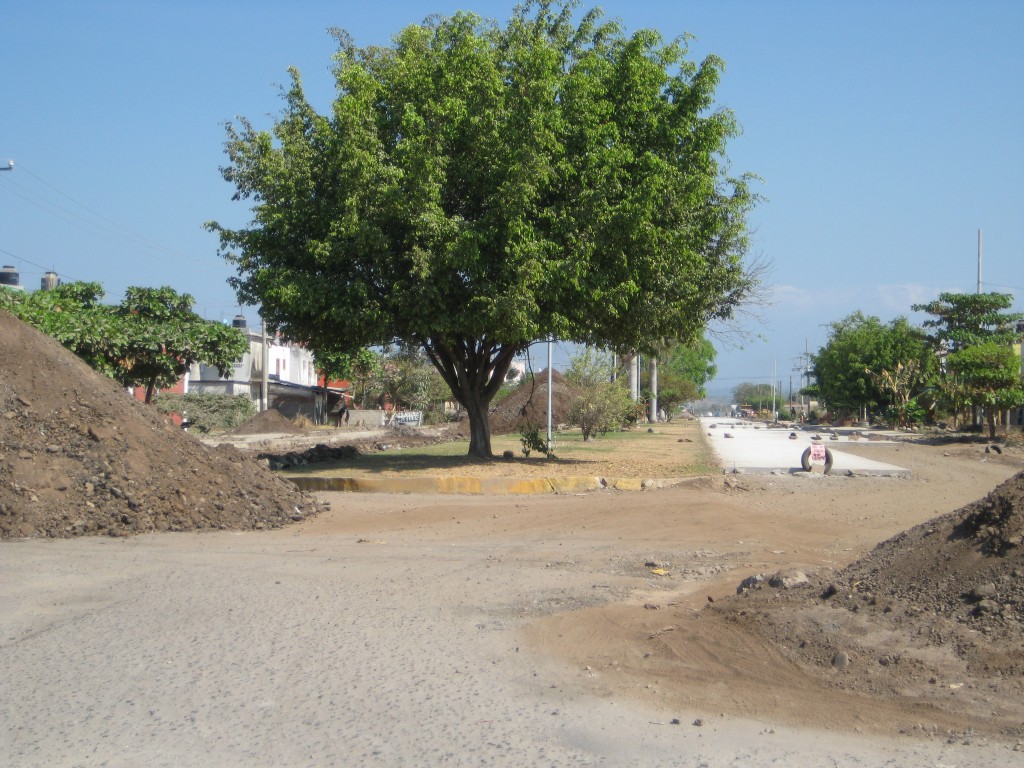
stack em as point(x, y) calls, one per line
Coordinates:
point(859, 349)
point(475, 188)
point(150, 339)
point(974, 334)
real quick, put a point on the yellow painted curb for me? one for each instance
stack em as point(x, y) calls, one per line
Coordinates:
point(461, 484)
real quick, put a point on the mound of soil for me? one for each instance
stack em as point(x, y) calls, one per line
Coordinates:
point(938, 604)
point(527, 405)
point(79, 456)
point(268, 422)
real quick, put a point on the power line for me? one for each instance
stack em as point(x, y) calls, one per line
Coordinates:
point(115, 233)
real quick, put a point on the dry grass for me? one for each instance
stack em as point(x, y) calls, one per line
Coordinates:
point(669, 451)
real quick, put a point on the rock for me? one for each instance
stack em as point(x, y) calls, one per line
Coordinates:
point(983, 591)
point(841, 660)
point(751, 582)
point(986, 606)
point(788, 579)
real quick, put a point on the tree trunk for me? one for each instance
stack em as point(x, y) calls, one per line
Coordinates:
point(474, 370)
point(150, 390)
point(479, 426)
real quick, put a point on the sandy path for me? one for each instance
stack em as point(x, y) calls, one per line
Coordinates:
point(422, 631)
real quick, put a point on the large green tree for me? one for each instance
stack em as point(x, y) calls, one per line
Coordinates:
point(974, 332)
point(150, 339)
point(477, 187)
point(860, 349)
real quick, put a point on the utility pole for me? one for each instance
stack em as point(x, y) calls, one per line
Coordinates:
point(652, 374)
point(979, 261)
point(264, 364)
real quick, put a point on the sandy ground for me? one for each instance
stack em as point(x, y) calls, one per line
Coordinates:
point(424, 630)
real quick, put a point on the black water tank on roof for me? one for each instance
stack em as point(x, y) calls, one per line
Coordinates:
point(239, 322)
point(9, 276)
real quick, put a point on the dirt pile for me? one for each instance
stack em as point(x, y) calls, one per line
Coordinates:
point(934, 606)
point(527, 405)
point(79, 456)
point(268, 422)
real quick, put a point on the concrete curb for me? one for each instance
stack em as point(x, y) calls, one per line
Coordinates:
point(496, 486)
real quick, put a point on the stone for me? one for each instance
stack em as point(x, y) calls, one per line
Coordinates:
point(841, 660)
point(751, 582)
point(788, 579)
point(983, 591)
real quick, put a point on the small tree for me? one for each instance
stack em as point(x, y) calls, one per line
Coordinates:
point(683, 370)
point(599, 404)
point(758, 395)
point(165, 337)
point(899, 386)
point(989, 376)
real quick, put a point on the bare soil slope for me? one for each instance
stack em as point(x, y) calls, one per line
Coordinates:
point(79, 456)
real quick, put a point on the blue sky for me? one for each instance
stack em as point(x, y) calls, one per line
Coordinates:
point(887, 135)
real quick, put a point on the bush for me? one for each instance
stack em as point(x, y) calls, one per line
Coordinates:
point(205, 411)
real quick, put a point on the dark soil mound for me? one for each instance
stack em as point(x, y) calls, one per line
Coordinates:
point(268, 422)
point(78, 456)
point(967, 566)
point(924, 609)
point(527, 405)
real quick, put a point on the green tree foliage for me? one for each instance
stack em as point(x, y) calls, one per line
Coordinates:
point(965, 319)
point(975, 333)
point(683, 370)
point(476, 187)
point(989, 375)
point(207, 411)
point(165, 337)
point(409, 381)
point(757, 395)
point(150, 339)
point(859, 350)
point(599, 404)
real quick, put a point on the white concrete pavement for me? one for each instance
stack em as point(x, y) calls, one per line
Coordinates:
point(755, 448)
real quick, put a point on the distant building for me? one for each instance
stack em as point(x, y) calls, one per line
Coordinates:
point(293, 387)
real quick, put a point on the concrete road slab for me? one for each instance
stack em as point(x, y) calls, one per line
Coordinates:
point(754, 448)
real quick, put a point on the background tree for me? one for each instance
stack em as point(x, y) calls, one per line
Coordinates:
point(165, 337)
point(150, 339)
point(683, 371)
point(987, 375)
point(475, 188)
point(757, 395)
point(965, 319)
point(408, 381)
point(599, 404)
point(963, 322)
point(858, 348)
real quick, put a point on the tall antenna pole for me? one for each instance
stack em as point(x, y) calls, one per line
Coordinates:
point(979, 261)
